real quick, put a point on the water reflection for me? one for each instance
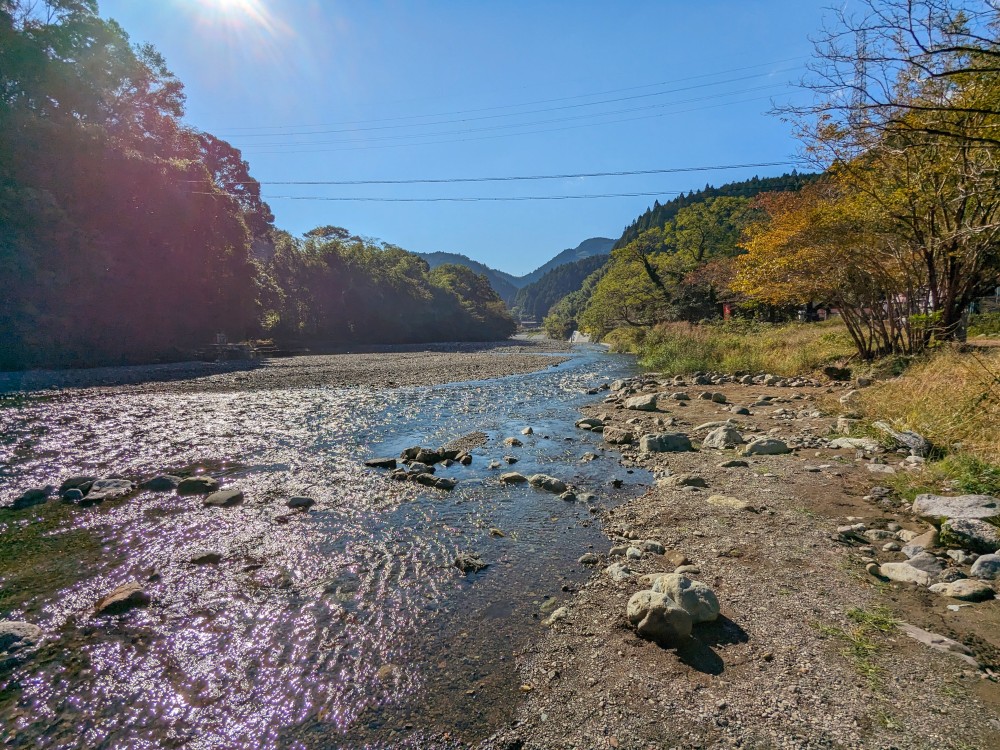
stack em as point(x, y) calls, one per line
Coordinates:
point(346, 626)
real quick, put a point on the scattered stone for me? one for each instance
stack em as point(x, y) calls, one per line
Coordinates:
point(545, 482)
point(618, 436)
point(665, 442)
point(205, 558)
point(939, 643)
point(719, 398)
point(122, 599)
point(200, 485)
point(16, 635)
point(80, 482)
point(880, 468)
point(512, 477)
point(568, 496)
point(560, 614)
point(986, 567)
point(727, 501)
point(737, 463)
point(917, 444)
point(926, 562)
point(510, 459)
point(107, 489)
point(32, 496)
point(299, 501)
point(633, 553)
point(618, 571)
point(512, 442)
point(589, 559)
point(589, 423)
point(470, 562)
point(697, 599)
point(723, 437)
point(527, 431)
point(645, 402)
point(942, 507)
point(979, 536)
point(905, 573)
point(766, 447)
point(927, 540)
point(680, 396)
point(683, 480)
point(961, 556)
point(224, 498)
point(381, 463)
point(966, 589)
point(872, 569)
point(161, 483)
point(652, 546)
point(866, 444)
point(658, 617)
point(72, 495)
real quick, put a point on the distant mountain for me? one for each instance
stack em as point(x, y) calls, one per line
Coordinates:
point(505, 284)
point(534, 300)
point(586, 249)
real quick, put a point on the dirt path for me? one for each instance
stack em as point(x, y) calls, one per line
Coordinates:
point(805, 654)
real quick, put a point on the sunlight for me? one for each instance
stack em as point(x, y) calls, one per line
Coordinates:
point(240, 14)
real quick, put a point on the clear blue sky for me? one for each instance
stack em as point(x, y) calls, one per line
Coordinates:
point(268, 74)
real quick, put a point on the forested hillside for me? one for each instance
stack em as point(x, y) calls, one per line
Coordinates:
point(586, 249)
point(534, 300)
point(126, 235)
point(503, 283)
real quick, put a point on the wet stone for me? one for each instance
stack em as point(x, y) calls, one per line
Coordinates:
point(161, 483)
point(122, 599)
point(224, 498)
point(199, 485)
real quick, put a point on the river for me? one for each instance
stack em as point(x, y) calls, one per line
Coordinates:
point(347, 626)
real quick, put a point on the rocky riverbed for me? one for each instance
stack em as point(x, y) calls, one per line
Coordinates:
point(847, 620)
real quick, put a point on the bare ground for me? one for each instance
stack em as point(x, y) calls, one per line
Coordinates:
point(794, 661)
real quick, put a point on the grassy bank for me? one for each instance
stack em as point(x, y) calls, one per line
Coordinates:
point(732, 346)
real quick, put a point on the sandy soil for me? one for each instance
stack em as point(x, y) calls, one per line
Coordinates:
point(375, 367)
point(779, 669)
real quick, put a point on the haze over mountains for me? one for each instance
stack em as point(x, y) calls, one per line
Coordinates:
point(507, 285)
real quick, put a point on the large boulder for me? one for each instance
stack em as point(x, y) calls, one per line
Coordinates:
point(656, 616)
point(224, 498)
point(512, 477)
point(618, 436)
point(966, 589)
point(645, 402)
point(722, 437)
point(697, 599)
point(545, 482)
point(665, 442)
point(903, 572)
point(107, 489)
point(766, 447)
point(941, 507)
point(971, 533)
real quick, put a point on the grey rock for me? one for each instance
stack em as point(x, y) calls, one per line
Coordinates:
point(618, 436)
point(510, 460)
point(728, 501)
point(589, 559)
point(381, 463)
point(589, 423)
point(979, 536)
point(16, 635)
point(205, 558)
point(77, 482)
point(719, 398)
point(854, 443)
point(766, 447)
point(926, 562)
point(986, 567)
point(905, 573)
point(927, 540)
point(722, 437)
point(633, 553)
point(665, 442)
point(962, 557)
point(547, 483)
point(527, 431)
point(645, 402)
point(512, 442)
point(967, 589)
point(680, 396)
point(72, 495)
point(107, 489)
point(941, 507)
point(950, 574)
point(419, 467)
point(618, 571)
point(652, 546)
point(224, 498)
point(161, 483)
point(683, 480)
point(658, 617)
point(512, 477)
point(32, 496)
point(917, 444)
point(300, 501)
point(568, 496)
point(695, 597)
point(200, 485)
point(939, 643)
point(125, 597)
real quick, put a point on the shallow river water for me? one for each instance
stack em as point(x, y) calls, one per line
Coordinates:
point(347, 626)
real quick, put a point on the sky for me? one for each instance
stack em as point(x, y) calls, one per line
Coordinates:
point(326, 90)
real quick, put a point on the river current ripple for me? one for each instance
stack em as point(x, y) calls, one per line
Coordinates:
point(347, 626)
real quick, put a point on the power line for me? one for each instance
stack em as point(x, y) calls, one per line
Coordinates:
point(516, 178)
point(518, 114)
point(507, 126)
point(442, 199)
point(522, 104)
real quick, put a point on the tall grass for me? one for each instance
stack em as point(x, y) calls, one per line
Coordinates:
point(785, 349)
point(950, 397)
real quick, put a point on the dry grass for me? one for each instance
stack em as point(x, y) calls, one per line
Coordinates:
point(951, 398)
point(734, 346)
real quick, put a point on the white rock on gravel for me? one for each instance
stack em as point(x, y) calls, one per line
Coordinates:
point(658, 617)
point(694, 596)
point(940, 507)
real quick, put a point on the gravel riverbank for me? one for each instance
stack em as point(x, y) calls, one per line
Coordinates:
point(373, 367)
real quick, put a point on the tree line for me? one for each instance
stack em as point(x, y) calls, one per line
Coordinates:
point(128, 236)
point(899, 234)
